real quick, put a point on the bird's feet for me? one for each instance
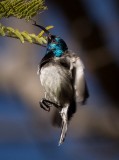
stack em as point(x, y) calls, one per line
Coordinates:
point(46, 104)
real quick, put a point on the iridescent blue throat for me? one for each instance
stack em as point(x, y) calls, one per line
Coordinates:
point(57, 50)
point(58, 47)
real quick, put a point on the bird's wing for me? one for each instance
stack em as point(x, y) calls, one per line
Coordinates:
point(80, 86)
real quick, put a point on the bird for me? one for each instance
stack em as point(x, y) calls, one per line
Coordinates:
point(62, 76)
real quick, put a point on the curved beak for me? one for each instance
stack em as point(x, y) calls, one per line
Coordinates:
point(45, 30)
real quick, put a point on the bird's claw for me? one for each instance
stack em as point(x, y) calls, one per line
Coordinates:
point(44, 106)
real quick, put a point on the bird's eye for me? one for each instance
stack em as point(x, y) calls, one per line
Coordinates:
point(53, 40)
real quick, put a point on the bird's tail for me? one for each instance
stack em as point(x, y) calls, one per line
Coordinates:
point(64, 117)
point(63, 132)
point(56, 117)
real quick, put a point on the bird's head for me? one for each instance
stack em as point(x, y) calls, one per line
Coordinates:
point(55, 44)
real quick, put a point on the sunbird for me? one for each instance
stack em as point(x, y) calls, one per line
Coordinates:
point(62, 75)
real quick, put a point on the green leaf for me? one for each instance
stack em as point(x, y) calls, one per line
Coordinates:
point(21, 8)
point(24, 36)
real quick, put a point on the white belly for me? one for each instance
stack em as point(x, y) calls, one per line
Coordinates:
point(56, 81)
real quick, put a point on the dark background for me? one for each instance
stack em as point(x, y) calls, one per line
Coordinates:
point(91, 29)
